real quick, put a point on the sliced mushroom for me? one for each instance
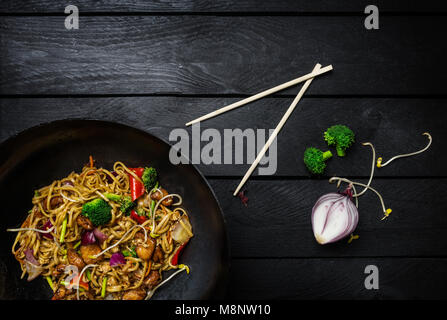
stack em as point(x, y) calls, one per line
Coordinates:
point(84, 222)
point(158, 254)
point(55, 202)
point(159, 194)
point(152, 279)
point(60, 269)
point(145, 250)
point(89, 251)
point(60, 293)
point(75, 259)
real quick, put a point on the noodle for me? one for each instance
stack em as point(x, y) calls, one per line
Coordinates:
point(51, 240)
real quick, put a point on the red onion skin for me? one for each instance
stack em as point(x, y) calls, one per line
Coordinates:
point(29, 256)
point(336, 201)
point(101, 237)
point(88, 237)
point(32, 265)
point(46, 226)
point(116, 259)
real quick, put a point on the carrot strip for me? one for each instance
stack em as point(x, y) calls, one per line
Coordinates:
point(148, 269)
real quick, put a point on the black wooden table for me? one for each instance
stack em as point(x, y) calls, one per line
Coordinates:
point(157, 65)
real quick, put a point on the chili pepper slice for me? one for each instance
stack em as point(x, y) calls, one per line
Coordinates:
point(174, 260)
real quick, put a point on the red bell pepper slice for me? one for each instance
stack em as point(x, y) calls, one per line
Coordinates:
point(136, 187)
point(136, 191)
point(174, 260)
point(137, 218)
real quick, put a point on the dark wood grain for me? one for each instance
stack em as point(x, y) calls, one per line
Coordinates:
point(399, 278)
point(276, 222)
point(393, 125)
point(192, 6)
point(220, 55)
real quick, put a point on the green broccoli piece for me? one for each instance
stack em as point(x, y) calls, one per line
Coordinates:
point(129, 252)
point(149, 178)
point(125, 202)
point(98, 211)
point(340, 136)
point(314, 159)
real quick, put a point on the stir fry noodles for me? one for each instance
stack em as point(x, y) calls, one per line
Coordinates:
point(103, 234)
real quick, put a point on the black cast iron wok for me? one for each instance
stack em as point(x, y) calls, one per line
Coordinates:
point(37, 156)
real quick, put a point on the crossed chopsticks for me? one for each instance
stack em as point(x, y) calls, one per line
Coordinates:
point(308, 78)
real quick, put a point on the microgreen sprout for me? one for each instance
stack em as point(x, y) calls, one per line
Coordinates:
point(381, 165)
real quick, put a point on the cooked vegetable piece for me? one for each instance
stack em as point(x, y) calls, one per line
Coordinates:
point(136, 187)
point(159, 194)
point(98, 211)
point(175, 257)
point(138, 218)
point(104, 287)
point(135, 294)
point(88, 253)
point(158, 254)
point(64, 230)
point(152, 279)
point(149, 178)
point(130, 253)
point(116, 259)
point(84, 222)
point(182, 230)
point(60, 293)
point(75, 259)
point(125, 202)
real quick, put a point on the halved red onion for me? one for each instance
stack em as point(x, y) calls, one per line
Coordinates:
point(101, 237)
point(116, 259)
point(334, 216)
point(88, 237)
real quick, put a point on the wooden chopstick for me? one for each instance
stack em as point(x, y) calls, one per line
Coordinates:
point(261, 94)
point(276, 131)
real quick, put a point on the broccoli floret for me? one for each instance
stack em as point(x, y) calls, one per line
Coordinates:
point(149, 178)
point(314, 159)
point(98, 211)
point(340, 136)
point(125, 202)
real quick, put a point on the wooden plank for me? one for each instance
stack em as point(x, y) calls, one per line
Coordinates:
point(399, 278)
point(393, 125)
point(220, 55)
point(276, 222)
point(230, 6)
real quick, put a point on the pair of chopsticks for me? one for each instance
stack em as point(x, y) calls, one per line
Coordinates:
point(308, 78)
